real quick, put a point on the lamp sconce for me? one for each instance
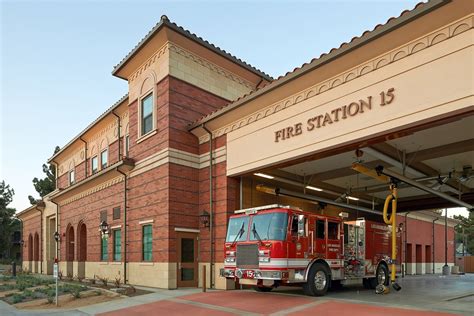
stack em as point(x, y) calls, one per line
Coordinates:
point(104, 229)
point(205, 219)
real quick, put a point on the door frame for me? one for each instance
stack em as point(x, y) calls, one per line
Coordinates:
point(180, 265)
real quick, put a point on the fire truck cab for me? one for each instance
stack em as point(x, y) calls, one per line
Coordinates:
point(278, 245)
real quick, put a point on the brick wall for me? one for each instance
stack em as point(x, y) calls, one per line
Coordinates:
point(31, 227)
point(87, 210)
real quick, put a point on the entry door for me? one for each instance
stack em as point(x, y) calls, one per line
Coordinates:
point(187, 260)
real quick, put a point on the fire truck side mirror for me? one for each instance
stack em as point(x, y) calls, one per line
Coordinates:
point(301, 225)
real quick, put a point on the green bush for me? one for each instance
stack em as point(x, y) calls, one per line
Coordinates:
point(17, 298)
point(28, 293)
point(76, 292)
point(51, 296)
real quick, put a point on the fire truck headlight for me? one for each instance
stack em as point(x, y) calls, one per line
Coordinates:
point(258, 274)
point(239, 273)
point(230, 259)
point(264, 259)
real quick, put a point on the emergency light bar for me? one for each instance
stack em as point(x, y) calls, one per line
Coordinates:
point(254, 210)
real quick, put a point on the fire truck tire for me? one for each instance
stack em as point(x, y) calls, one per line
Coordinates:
point(381, 277)
point(262, 288)
point(318, 280)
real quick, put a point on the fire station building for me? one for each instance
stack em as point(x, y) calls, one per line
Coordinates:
point(163, 168)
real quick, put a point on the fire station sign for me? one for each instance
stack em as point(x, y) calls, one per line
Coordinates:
point(334, 116)
point(435, 84)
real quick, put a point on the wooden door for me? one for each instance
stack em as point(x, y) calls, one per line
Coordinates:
point(187, 259)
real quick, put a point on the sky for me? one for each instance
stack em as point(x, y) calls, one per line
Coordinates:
point(57, 58)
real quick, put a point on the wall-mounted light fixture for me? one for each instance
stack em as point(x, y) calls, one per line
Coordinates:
point(204, 219)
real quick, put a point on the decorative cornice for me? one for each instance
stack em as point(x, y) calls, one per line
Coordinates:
point(150, 61)
point(90, 191)
point(399, 53)
point(209, 65)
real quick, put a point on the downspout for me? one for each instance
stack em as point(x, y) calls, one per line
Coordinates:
point(85, 156)
point(433, 251)
point(21, 238)
point(445, 237)
point(124, 225)
point(41, 238)
point(57, 229)
point(119, 155)
point(406, 245)
point(57, 213)
point(211, 213)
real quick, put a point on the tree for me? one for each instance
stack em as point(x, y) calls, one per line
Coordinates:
point(8, 222)
point(47, 184)
point(467, 224)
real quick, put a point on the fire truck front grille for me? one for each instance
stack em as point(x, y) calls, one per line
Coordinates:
point(247, 256)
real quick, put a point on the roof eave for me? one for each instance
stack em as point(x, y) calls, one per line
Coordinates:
point(326, 58)
point(97, 120)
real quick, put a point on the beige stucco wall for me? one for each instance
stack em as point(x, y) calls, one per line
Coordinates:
point(432, 80)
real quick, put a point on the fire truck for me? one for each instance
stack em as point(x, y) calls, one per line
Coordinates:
point(277, 245)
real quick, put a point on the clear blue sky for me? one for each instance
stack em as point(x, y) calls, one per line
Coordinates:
point(57, 57)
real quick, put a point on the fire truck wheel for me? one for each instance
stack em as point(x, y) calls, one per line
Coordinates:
point(318, 280)
point(381, 277)
point(262, 288)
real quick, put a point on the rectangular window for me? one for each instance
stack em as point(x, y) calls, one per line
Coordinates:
point(95, 164)
point(147, 242)
point(103, 159)
point(116, 213)
point(71, 177)
point(147, 114)
point(333, 230)
point(117, 245)
point(104, 252)
point(127, 144)
point(320, 233)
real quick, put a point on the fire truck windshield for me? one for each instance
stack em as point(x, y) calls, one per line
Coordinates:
point(234, 232)
point(270, 226)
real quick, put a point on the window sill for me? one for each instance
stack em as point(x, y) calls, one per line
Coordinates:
point(116, 263)
point(146, 264)
point(103, 263)
point(146, 136)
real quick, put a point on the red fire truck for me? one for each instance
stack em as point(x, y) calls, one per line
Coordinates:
point(278, 245)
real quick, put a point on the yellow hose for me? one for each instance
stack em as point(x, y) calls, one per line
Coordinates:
point(392, 221)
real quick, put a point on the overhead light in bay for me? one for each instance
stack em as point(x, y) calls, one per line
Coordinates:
point(309, 187)
point(263, 175)
point(352, 198)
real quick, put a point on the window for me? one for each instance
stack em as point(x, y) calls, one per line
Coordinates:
point(71, 177)
point(95, 164)
point(147, 242)
point(147, 114)
point(103, 159)
point(127, 144)
point(117, 245)
point(333, 230)
point(104, 252)
point(320, 233)
point(116, 213)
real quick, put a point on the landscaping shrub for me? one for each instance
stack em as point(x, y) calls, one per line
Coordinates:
point(118, 282)
point(17, 298)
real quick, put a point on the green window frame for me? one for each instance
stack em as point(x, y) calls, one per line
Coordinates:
point(117, 245)
point(104, 249)
point(147, 242)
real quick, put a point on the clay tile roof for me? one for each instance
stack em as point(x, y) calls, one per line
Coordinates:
point(108, 111)
point(164, 21)
point(380, 29)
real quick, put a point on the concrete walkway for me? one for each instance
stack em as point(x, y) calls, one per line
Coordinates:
point(420, 295)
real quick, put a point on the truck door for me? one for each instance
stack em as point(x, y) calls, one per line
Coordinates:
point(299, 235)
point(333, 240)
